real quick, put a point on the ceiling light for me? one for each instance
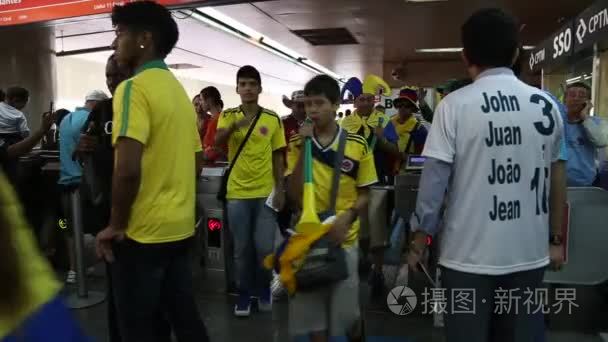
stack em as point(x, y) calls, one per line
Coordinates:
point(223, 22)
point(458, 49)
point(181, 66)
point(574, 79)
point(439, 50)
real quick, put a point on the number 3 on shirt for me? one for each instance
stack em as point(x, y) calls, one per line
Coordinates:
point(540, 127)
point(544, 130)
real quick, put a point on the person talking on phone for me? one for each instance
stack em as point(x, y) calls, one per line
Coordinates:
point(585, 134)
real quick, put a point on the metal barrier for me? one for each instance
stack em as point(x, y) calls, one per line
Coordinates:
point(216, 238)
point(586, 241)
point(83, 298)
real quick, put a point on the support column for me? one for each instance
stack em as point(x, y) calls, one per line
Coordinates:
point(601, 86)
point(28, 60)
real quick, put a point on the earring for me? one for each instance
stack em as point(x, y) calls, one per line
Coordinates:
point(142, 46)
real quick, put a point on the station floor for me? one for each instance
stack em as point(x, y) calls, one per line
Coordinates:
point(382, 325)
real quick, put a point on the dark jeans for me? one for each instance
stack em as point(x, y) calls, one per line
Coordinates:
point(152, 284)
point(485, 324)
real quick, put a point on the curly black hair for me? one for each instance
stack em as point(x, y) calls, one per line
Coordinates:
point(149, 16)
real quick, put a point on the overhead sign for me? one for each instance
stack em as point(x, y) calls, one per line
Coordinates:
point(554, 49)
point(16, 12)
point(591, 25)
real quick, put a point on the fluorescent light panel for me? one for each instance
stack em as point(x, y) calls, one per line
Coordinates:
point(257, 38)
point(456, 49)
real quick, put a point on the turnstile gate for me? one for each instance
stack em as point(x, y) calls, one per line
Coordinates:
point(213, 227)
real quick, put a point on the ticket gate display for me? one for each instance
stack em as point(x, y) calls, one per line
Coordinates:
point(214, 231)
point(406, 186)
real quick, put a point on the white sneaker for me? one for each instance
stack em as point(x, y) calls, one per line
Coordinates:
point(242, 310)
point(71, 277)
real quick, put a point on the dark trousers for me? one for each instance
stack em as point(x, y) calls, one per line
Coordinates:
point(113, 326)
point(152, 284)
point(489, 324)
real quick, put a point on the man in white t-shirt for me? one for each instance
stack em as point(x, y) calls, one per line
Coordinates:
point(493, 147)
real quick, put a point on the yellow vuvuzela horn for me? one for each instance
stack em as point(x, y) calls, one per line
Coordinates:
point(309, 220)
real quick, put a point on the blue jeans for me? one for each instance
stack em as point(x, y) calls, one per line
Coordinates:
point(253, 226)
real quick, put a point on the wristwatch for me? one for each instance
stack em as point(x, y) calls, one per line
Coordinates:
point(556, 240)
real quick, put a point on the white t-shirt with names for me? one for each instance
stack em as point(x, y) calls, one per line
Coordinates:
point(501, 137)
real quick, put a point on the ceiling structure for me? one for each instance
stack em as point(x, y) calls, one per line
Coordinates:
point(212, 55)
point(390, 31)
point(387, 32)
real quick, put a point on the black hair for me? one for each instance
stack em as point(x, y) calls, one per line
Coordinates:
point(490, 38)
point(152, 17)
point(59, 115)
point(2, 95)
point(580, 85)
point(519, 63)
point(17, 93)
point(211, 93)
point(323, 85)
point(248, 71)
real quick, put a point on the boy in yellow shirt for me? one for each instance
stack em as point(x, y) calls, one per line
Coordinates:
point(313, 313)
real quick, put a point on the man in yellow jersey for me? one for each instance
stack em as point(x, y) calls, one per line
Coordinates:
point(157, 155)
point(314, 313)
point(257, 171)
point(378, 130)
point(411, 132)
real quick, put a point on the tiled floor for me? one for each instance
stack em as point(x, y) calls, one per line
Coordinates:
point(581, 326)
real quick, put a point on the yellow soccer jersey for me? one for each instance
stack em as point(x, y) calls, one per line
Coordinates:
point(252, 176)
point(362, 126)
point(358, 171)
point(154, 109)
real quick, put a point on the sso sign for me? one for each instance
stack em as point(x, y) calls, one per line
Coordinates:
point(553, 50)
point(562, 43)
point(591, 25)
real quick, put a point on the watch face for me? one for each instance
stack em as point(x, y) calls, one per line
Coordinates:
point(556, 240)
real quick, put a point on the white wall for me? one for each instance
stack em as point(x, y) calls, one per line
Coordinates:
point(77, 76)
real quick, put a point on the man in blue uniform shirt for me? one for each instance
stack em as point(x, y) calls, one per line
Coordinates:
point(70, 171)
point(584, 135)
